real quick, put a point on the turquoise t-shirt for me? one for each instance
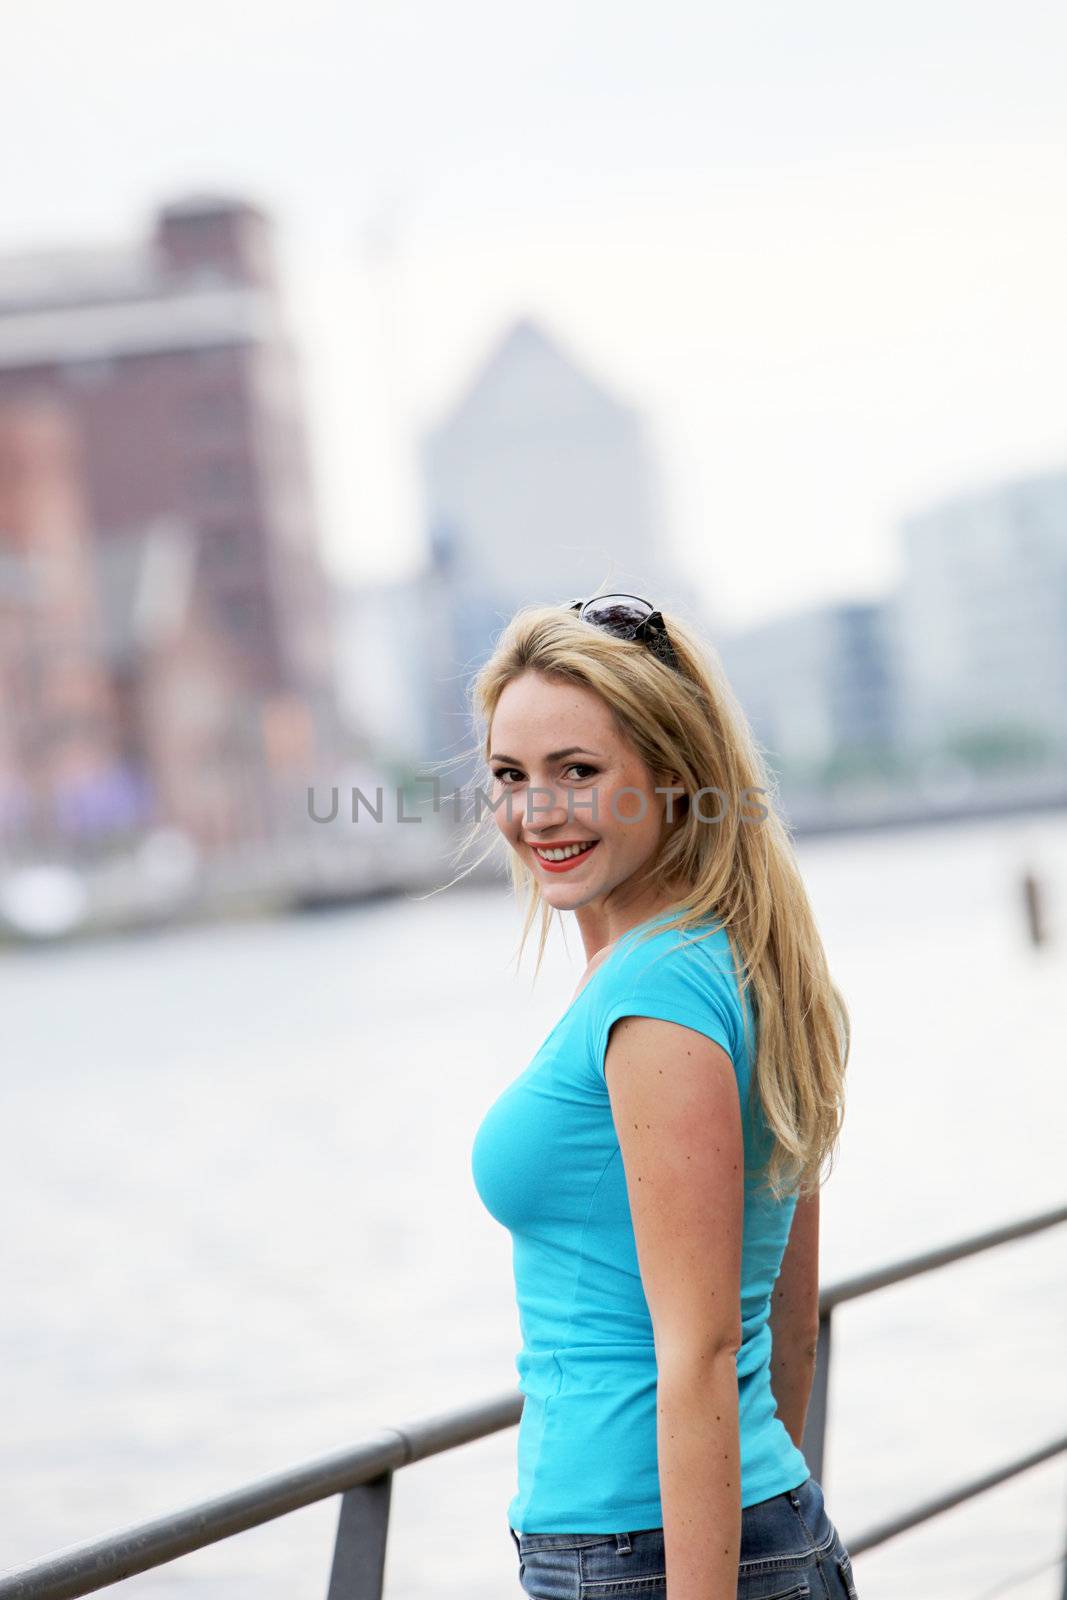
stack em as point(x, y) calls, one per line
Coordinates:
point(547, 1165)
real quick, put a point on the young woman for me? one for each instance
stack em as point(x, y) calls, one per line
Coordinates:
point(658, 1163)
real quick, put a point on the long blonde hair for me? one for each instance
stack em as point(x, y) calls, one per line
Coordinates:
point(742, 873)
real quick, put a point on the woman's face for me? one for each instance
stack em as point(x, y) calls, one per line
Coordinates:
point(555, 753)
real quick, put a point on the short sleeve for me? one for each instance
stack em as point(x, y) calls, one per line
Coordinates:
point(673, 980)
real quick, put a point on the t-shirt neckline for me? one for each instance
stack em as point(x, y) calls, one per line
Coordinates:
point(584, 990)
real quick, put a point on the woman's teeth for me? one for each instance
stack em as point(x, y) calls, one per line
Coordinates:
point(565, 854)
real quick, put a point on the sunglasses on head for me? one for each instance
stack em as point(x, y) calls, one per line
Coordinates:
point(627, 616)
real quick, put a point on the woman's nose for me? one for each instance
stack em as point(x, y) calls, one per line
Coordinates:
point(546, 807)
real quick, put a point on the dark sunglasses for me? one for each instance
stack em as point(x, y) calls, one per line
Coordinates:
point(627, 616)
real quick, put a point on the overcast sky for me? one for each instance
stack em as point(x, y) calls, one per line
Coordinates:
point(822, 246)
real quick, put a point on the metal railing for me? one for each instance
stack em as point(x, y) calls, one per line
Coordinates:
point(363, 1473)
point(814, 1444)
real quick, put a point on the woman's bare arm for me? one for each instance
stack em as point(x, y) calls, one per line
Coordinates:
point(795, 1318)
point(677, 1112)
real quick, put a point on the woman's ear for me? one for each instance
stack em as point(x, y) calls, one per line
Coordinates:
point(677, 799)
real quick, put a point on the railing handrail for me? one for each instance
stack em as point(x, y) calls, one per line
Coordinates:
point(906, 1520)
point(83, 1568)
point(913, 1266)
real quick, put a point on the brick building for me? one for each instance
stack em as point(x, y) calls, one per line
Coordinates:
point(174, 366)
point(60, 733)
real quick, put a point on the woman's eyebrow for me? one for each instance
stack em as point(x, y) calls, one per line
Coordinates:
point(553, 755)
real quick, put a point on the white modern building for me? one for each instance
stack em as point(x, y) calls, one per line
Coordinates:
point(979, 621)
point(540, 487)
point(546, 483)
point(815, 684)
point(384, 664)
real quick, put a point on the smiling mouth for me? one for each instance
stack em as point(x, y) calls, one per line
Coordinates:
point(572, 857)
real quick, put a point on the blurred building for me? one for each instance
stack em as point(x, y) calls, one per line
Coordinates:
point(980, 619)
point(817, 687)
point(189, 716)
point(123, 704)
point(540, 487)
point(61, 771)
point(173, 364)
point(385, 664)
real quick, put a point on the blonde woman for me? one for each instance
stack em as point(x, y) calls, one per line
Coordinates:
point(658, 1163)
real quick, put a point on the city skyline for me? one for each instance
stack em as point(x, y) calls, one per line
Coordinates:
point(828, 276)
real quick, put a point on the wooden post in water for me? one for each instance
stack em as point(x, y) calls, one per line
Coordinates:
point(1034, 900)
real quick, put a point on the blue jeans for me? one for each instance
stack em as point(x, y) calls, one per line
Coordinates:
point(790, 1550)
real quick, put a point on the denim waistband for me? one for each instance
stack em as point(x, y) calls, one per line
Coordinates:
point(787, 1526)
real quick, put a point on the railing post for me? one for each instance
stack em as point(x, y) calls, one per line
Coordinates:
point(815, 1422)
point(358, 1570)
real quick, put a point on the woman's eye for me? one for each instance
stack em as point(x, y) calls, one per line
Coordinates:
point(575, 766)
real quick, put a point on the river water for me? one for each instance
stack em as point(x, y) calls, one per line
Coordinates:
point(240, 1228)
